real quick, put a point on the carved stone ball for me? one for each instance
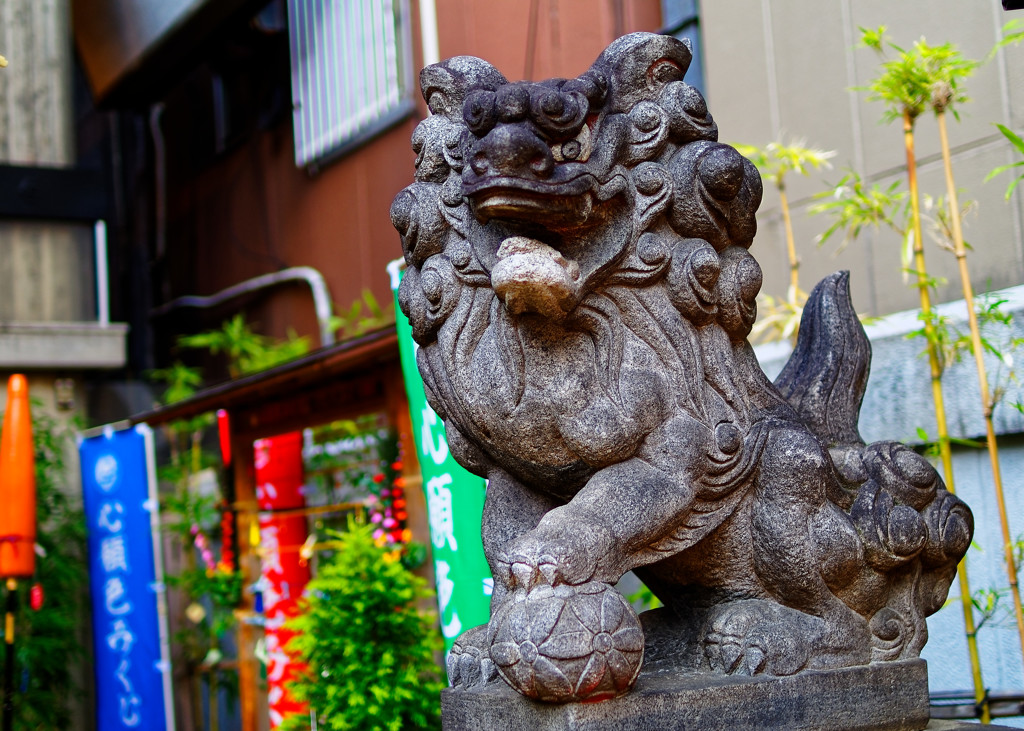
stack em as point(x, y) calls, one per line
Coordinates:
point(567, 643)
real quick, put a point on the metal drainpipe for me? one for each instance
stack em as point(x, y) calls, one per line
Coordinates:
point(159, 192)
point(428, 32)
point(309, 275)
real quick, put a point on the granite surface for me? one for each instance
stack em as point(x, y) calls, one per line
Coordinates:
point(883, 696)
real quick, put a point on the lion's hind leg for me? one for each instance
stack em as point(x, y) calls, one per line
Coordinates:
point(802, 547)
point(755, 636)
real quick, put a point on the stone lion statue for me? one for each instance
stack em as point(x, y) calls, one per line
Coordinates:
point(579, 283)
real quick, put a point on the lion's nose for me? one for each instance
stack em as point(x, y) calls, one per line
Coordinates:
point(512, 150)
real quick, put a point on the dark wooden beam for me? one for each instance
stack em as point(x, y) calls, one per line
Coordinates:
point(52, 194)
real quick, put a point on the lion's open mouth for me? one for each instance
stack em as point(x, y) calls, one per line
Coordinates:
point(516, 205)
point(512, 199)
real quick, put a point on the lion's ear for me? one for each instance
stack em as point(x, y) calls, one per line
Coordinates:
point(445, 85)
point(639, 65)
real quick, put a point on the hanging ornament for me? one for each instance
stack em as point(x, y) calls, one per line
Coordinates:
point(227, 533)
point(195, 612)
point(213, 657)
point(307, 550)
point(227, 523)
point(36, 597)
point(224, 433)
point(260, 651)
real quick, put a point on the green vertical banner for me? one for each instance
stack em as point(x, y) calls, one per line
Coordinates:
point(455, 501)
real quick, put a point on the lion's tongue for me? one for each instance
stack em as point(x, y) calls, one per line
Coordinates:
point(530, 276)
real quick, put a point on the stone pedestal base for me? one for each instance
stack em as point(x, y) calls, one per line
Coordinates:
point(889, 696)
point(964, 726)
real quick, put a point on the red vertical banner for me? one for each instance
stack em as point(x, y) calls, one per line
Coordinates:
point(279, 480)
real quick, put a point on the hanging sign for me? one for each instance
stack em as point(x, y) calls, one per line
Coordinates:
point(455, 502)
point(279, 481)
point(129, 611)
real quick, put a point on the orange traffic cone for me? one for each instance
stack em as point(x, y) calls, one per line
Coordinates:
point(17, 485)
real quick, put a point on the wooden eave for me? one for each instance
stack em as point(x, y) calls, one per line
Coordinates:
point(303, 378)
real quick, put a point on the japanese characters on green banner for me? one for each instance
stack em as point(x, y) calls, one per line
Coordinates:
point(455, 501)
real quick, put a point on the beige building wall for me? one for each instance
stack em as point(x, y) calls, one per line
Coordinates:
point(46, 270)
point(785, 68)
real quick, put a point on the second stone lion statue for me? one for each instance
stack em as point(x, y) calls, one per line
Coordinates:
point(579, 284)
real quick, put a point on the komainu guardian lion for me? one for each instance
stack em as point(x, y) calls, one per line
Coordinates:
point(579, 285)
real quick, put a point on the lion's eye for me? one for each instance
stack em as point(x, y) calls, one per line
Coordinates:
point(574, 150)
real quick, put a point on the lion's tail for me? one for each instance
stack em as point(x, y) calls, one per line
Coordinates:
point(825, 377)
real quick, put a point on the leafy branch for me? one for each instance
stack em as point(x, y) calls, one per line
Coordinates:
point(247, 351)
point(775, 161)
point(1018, 145)
point(362, 316)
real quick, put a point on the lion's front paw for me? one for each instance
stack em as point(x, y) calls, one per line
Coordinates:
point(469, 663)
point(754, 636)
point(542, 557)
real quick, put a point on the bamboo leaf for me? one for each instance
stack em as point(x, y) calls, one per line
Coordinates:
point(1013, 137)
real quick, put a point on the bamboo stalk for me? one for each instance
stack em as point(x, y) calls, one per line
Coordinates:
point(935, 366)
point(794, 260)
point(986, 399)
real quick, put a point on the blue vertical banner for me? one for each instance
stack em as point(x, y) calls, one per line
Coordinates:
point(132, 665)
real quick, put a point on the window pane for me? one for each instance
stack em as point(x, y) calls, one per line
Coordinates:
point(681, 18)
point(695, 74)
point(347, 72)
point(676, 12)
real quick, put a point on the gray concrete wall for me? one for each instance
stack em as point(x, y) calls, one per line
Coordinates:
point(46, 269)
point(785, 68)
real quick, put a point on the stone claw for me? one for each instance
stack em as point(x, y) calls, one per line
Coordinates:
point(730, 656)
point(755, 659)
point(540, 558)
point(753, 637)
point(451, 665)
point(549, 569)
point(524, 575)
point(469, 663)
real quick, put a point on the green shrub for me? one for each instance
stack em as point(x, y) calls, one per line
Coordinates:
point(369, 650)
